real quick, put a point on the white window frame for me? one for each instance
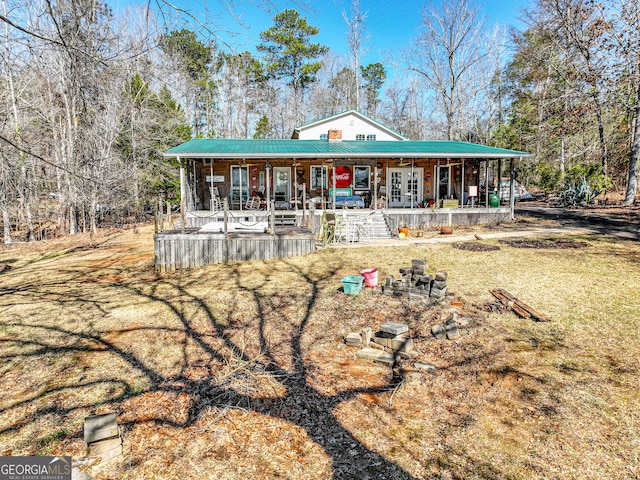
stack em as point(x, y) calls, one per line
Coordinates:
point(324, 175)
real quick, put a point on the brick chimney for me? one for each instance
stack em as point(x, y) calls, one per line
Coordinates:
point(335, 135)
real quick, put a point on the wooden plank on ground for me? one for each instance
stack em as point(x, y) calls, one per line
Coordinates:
point(518, 306)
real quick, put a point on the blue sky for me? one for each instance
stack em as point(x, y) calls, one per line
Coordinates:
point(390, 25)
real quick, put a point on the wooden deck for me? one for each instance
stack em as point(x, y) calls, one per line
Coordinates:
point(175, 250)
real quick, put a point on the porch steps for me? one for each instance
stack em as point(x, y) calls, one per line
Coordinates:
point(373, 223)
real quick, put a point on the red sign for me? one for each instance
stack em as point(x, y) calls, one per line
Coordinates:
point(343, 177)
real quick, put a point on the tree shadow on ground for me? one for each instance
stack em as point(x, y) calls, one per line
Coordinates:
point(274, 346)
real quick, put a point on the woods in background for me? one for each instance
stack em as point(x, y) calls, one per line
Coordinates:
point(91, 98)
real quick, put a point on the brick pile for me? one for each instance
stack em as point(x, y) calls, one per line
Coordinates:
point(414, 283)
point(387, 346)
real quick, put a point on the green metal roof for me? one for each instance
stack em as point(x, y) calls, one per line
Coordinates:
point(245, 148)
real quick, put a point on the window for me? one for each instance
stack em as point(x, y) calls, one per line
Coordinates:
point(371, 137)
point(360, 137)
point(361, 175)
point(319, 176)
point(324, 136)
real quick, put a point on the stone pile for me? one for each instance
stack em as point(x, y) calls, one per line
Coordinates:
point(415, 283)
point(388, 345)
point(450, 327)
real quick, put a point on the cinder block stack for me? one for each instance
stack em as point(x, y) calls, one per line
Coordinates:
point(414, 282)
point(386, 346)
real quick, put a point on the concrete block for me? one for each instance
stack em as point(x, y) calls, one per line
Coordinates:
point(425, 367)
point(419, 262)
point(451, 319)
point(386, 359)
point(394, 328)
point(439, 284)
point(367, 333)
point(401, 344)
point(452, 331)
point(441, 276)
point(354, 338)
point(389, 280)
point(99, 427)
point(438, 293)
point(407, 355)
point(375, 345)
point(97, 449)
point(369, 353)
point(438, 331)
point(406, 271)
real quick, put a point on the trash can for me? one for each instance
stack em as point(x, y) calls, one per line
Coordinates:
point(494, 200)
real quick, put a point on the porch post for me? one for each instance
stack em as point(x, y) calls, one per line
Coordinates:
point(512, 196)
point(499, 181)
point(436, 184)
point(183, 181)
point(295, 186)
point(267, 167)
point(462, 183)
point(486, 183)
point(333, 183)
point(211, 188)
point(375, 185)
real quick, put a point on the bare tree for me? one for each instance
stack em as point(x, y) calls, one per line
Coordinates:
point(446, 55)
point(356, 36)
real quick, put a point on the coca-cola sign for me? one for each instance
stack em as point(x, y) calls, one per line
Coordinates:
point(343, 177)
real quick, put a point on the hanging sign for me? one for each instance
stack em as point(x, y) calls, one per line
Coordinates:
point(343, 177)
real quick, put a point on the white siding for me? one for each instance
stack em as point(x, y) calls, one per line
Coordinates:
point(351, 125)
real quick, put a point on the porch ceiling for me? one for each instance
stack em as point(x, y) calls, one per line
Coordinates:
point(266, 149)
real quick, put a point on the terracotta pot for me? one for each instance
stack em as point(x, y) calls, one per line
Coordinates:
point(446, 230)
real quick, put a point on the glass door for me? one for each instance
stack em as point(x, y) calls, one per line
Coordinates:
point(405, 186)
point(395, 187)
point(239, 184)
point(281, 186)
point(444, 182)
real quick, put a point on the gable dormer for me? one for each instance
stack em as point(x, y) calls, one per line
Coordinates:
point(352, 124)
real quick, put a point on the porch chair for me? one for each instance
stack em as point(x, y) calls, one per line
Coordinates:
point(253, 203)
point(216, 203)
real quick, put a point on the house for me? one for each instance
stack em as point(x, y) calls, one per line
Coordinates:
point(347, 160)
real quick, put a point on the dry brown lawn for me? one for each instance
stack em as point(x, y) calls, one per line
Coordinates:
point(240, 372)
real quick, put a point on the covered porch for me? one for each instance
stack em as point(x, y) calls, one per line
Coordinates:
point(297, 182)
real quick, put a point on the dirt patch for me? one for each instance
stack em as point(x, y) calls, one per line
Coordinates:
point(475, 247)
point(548, 243)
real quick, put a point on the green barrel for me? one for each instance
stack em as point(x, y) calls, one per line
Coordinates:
point(494, 200)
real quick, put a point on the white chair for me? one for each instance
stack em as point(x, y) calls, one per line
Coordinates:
point(216, 203)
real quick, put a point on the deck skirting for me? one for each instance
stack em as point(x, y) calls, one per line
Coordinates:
point(176, 251)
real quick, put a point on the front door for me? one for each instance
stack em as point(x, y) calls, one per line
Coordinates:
point(281, 186)
point(444, 182)
point(405, 188)
point(239, 184)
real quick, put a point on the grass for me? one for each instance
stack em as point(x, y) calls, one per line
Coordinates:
point(239, 371)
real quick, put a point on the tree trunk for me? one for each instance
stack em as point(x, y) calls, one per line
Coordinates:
point(6, 221)
point(634, 157)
